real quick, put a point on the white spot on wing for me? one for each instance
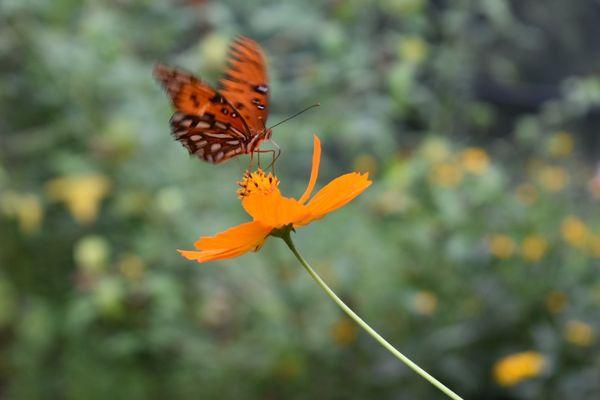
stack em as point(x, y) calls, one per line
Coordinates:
point(218, 135)
point(215, 146)
point(202, 125)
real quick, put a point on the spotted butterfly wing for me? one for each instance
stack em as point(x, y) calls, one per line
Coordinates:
point(206, 121)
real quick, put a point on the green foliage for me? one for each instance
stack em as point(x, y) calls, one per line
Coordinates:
point(480, 237)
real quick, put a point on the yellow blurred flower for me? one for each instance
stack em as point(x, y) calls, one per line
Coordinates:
point(82, 194)
point(556, 302)
point(527, 194)
point(413, 49)
point(424, 302)
point(344, 332)
point(435, 150)
point(515, 368)
point(365, 163)
point(132, 267)
point(91, 254)
point(214, 51)
point(560, 144)
point(579, 333)
point(25, 207)
point(553, 179)
point(534, 247)
point(501, 246)
point(575, 232)
point(475, 160)
point(594, 245)
point(445, 174)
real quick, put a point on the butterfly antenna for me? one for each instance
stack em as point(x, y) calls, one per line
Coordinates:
point(295, 115)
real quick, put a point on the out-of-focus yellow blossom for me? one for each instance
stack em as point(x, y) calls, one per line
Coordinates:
point(501, 246)
point(527, 194)
point(214, 51)
point(445, 174)
point(169, 200)
point(515, 368)
point(579, 333)
point(553, 179)
point(425, 302)
point(82, 194)
point(413, 49)
point(594, 245)
point(365, 163)
point(560, 144)
point(575, 232)
point(435, 150)
point(391, 202)
point(534, 247)
point(25, 207)
point(475, 160)
point(344, 332)
point(556, 302)
point(91, 254)
point(132, 267)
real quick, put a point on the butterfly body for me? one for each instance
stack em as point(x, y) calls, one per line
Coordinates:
point(216, 125)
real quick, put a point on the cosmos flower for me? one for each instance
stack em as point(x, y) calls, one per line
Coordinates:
point(273, 213)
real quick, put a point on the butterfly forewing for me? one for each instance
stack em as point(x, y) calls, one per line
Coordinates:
point(245, 83)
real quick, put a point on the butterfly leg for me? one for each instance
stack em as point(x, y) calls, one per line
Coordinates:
point(276, 153)
point(251, 162)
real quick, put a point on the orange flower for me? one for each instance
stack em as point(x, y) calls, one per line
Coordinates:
point(273, 213)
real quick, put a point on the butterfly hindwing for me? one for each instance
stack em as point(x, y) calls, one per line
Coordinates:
point(207, 138)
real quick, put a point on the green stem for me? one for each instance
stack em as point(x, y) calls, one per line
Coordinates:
point(288, 240)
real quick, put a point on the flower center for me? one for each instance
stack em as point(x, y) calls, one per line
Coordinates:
point(257, 182)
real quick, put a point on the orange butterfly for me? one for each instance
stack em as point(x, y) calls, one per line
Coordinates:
point(217, 125)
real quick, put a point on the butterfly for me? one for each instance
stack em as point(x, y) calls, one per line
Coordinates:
point(218, 124)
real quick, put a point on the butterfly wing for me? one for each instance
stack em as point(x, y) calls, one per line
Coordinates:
point(245, 83)
point(204, 121)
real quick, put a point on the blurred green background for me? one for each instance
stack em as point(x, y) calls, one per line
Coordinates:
point(476, 251)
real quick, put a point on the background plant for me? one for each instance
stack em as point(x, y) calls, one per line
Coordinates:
point(477, 247)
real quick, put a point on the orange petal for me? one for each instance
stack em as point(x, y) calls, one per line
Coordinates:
point(230, 243)
point(314, 173)
point(273, 209)
point(336, 194)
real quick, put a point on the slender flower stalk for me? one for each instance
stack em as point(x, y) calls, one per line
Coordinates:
point(285, 235)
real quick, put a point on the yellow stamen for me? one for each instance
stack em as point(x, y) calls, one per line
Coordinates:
point(257, 181)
